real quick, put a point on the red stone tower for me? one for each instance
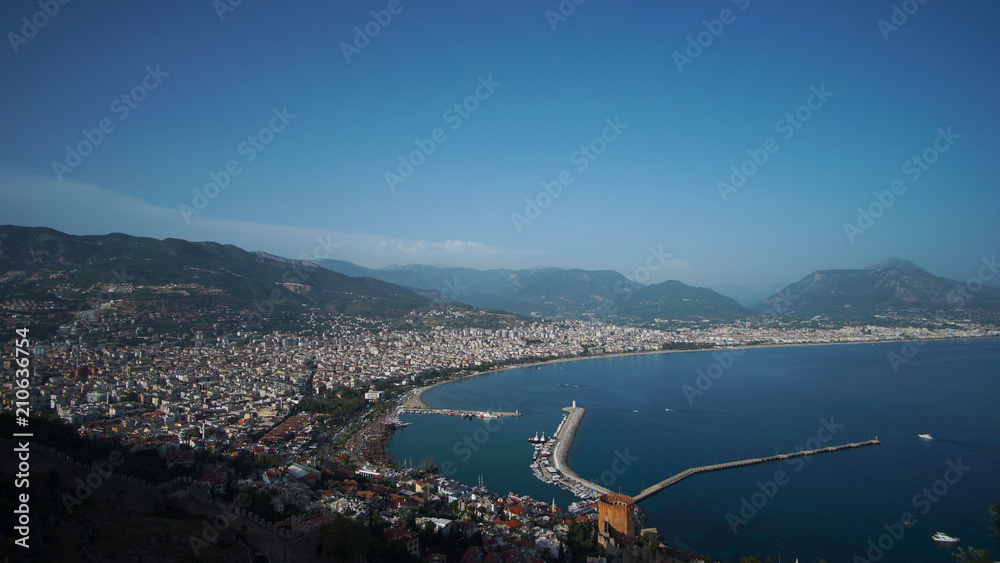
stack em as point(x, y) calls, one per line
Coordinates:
point(615, 519)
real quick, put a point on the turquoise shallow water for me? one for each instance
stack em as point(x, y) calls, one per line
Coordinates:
point(767, 400)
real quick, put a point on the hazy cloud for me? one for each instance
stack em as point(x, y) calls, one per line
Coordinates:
point(80, 208)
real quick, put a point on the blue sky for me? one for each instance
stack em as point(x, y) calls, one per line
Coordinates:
point(207, 83)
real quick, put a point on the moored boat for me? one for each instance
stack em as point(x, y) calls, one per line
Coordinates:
point(942, 537)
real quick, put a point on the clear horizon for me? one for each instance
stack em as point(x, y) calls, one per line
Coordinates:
point(736, 138)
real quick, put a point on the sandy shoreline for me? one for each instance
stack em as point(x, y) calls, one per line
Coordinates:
point(416, 400)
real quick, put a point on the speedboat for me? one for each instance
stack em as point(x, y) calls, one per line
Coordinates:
point(943, 538)
point(925, 436)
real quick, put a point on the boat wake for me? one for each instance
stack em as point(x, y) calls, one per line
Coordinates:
point(700, 411)
point(968, 444)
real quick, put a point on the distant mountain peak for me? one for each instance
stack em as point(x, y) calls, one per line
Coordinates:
point(890, 290)
point(556, 292)
point(893, 263)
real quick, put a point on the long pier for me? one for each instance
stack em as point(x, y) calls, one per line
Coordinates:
point(650, 491)
point(458, 412)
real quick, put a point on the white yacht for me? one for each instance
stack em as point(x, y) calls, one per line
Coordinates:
point(944, 538)
point(925, 436)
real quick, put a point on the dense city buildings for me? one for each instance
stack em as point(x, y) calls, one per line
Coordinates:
point(298, 420)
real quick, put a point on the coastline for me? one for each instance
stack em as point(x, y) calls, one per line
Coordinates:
point(565, 443)
point(417, 400)
point(661, 508)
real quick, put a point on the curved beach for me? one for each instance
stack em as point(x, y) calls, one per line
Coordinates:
point(416, 400)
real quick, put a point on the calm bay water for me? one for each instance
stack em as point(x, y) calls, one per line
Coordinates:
point(769, 400)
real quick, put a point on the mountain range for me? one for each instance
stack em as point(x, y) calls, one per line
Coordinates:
point(557, 292)
point(44, 265)
point(888, 291)
point(73, 273)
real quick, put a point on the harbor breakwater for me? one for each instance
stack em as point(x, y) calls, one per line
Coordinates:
point(550, 463)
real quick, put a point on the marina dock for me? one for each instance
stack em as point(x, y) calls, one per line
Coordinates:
point(415, 404)
point(457, 412)
point(650, 491)
point(550, 464)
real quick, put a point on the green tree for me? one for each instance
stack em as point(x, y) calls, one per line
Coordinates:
point(650, 539)
point(345, 538)
point(974, 555)
point(995, 521)
point(581, 540)
point(396, 551)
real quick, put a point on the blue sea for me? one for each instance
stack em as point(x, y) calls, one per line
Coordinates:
point(651, 416)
